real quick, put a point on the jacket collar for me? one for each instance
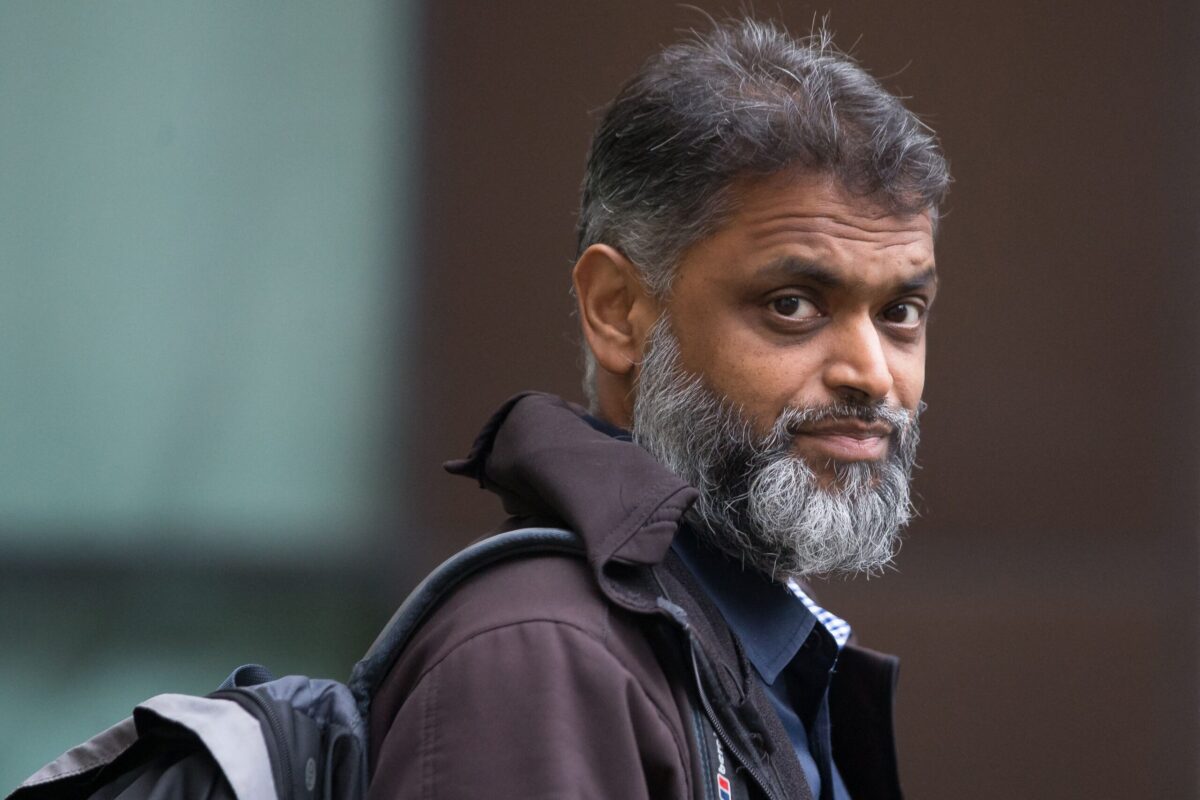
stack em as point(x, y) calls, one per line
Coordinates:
point(548, 464)
point(543, 459)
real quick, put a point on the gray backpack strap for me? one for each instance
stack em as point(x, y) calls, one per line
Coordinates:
point(369, 673)
point(82, 759)
point(232, 737)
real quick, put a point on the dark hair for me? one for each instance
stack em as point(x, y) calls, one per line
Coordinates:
point(743, 99)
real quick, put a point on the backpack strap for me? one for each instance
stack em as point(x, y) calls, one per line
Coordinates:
point(171, 742)
point(369, 673)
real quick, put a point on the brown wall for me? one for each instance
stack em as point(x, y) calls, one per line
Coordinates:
point(1045, 604)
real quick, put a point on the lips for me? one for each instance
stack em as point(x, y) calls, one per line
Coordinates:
point(846, 440)
point(848, 427)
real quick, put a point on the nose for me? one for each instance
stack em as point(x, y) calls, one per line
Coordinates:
point(856, 367)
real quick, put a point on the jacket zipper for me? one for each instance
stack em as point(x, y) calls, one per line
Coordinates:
point(747, 764)
point(708, 791)
point(679, 617)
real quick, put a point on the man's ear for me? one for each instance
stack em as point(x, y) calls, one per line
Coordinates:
point(615, 309)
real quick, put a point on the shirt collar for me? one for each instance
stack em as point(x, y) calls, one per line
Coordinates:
point(769, 620)
point(608, 428)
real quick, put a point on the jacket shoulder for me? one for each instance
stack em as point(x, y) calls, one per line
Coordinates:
point(546, 587)
point(527, 660)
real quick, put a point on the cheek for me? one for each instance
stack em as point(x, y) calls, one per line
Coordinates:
point(762, 379)
point(908, 374)
point(731, 362)
point(700, 336)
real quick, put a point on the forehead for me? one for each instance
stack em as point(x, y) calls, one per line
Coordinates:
point(796, 218)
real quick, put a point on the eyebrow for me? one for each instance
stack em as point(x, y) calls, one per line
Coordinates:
point(796, 268)
point(920, 280)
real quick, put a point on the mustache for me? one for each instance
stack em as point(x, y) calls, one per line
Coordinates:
point(795, 420)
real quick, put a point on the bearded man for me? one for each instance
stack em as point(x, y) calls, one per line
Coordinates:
point(754, 277)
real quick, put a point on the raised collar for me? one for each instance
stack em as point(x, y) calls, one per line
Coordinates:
point(545, 459)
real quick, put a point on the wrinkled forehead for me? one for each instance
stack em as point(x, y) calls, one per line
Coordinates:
point(812, 226)
point(797, 195)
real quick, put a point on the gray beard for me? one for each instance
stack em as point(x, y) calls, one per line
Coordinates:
point(758, 502)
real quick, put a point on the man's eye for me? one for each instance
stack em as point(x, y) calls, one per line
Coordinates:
point(795, 307)
point(903, 314)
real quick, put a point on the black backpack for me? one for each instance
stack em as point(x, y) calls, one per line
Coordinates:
point(258, 738)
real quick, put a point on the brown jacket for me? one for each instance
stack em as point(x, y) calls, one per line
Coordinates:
point(549, 677)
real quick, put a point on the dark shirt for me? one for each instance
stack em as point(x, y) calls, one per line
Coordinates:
point(793, 654)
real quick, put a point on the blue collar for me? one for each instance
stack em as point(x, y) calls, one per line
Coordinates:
point(771, 622)
point(608, 428)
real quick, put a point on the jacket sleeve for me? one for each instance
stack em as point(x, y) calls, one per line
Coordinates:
point(536, 709)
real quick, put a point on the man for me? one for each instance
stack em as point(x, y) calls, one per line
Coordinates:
point(753, 283)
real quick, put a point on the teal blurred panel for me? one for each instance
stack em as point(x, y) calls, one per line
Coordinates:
point(83, 646)
point(203, 277)
point(198, 276)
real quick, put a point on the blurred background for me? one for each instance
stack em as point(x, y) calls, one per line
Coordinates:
point(263, 267)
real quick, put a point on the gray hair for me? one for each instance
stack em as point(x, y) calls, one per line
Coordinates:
point(742, 100)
